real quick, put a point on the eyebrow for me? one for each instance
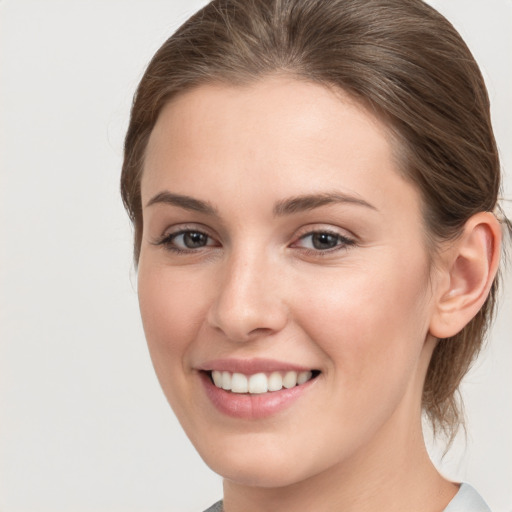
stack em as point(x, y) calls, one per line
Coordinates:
point(289, 206)
point(310, 201)
point(185, 202)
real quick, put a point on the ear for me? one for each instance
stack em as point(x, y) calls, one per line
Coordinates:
point(466, 272)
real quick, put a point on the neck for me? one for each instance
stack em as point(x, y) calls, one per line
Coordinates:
point(392, 474)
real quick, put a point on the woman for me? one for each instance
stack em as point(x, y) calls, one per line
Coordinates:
point(314, 190)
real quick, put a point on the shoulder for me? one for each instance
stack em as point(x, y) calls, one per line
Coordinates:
point(217, 507)
point(467, 500)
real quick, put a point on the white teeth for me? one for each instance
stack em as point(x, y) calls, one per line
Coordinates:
point(259, 382)
point(226, 381)
point(275, 381)
point(217, 378)
point(239, 383)
point(304, 377)
point(290, 380)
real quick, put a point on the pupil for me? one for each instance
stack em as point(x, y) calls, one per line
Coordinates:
point(193, 240)
point(324, 241)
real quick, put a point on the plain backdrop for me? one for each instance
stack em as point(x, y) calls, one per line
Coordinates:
point(84, 425)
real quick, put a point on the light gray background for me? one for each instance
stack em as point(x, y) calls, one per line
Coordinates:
point(83, 423)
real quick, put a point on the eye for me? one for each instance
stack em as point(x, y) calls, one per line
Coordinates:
point(323, 241)
point(190, 240)
point(187, 240)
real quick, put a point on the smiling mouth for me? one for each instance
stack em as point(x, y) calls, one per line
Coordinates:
point(259, 383)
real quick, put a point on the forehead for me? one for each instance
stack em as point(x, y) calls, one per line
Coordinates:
point(280, 131)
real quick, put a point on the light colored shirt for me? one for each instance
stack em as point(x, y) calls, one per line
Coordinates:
point(466, 500)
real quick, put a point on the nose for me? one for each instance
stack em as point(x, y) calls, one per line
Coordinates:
point(248, 303)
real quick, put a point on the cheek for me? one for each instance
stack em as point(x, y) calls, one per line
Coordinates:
point(172, 310)
point(371, 322)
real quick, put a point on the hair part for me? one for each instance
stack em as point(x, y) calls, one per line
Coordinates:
point(399, 57)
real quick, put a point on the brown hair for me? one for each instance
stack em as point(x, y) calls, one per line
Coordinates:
point(401, 58)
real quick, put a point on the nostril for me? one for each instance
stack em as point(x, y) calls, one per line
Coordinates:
point(260, 331)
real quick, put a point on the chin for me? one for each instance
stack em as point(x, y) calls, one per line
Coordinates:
point(258, 473)
point(255, 463)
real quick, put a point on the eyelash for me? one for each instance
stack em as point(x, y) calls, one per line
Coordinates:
point(167, 241)
point(343, 242)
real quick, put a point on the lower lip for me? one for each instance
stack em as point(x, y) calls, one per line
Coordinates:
point(252, 406)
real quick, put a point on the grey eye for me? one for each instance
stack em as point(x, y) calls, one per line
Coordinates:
point(322, 241)
point(190, 240)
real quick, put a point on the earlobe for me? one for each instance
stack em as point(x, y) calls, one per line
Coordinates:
point(469, 268)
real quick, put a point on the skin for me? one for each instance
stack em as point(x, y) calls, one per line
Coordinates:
point(361, 312)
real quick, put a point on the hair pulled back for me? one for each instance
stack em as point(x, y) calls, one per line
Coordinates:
point(400, 58)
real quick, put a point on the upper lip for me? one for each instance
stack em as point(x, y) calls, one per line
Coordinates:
point(250, 366)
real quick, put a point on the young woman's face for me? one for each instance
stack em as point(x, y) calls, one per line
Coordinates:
point(283, 256)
